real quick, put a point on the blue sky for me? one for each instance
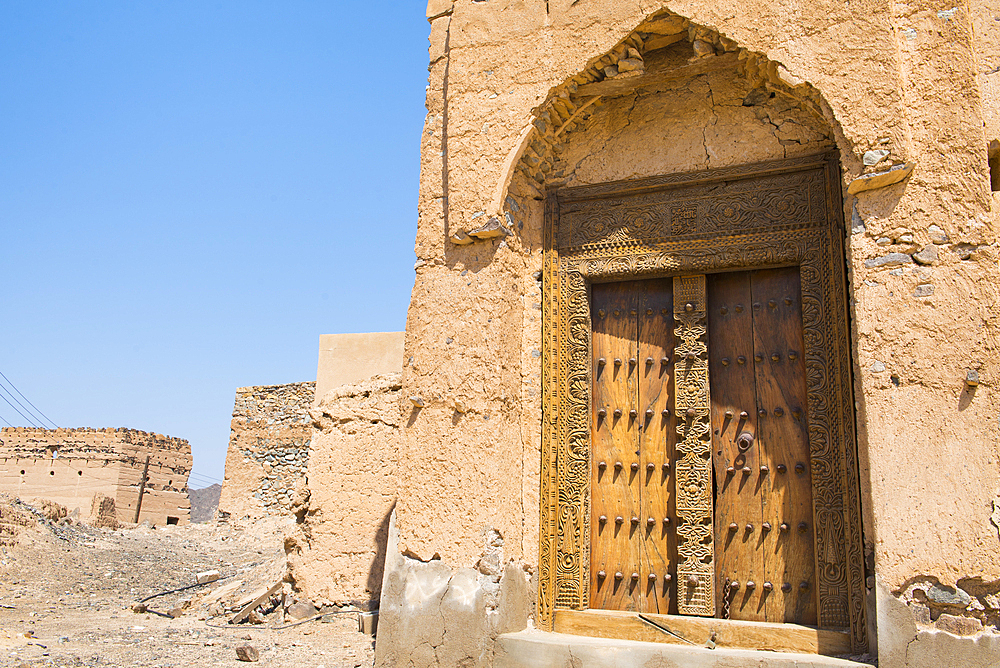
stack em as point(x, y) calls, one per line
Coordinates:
point(192, 192)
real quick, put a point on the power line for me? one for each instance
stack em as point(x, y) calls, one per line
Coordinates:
point(26, 399)
point(202, 475)
point(5, 421)
point(26, 410)
point(27, 419)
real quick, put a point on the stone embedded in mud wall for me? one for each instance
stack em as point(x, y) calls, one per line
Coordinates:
point(77, 468)
point(268, 450)
point(337, 549)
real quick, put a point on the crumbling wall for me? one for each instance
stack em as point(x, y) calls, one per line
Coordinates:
point(72, 467)
point(337, 550)
point(901, 90)
point(165, 494)
point(13, 521)
point(268, 450)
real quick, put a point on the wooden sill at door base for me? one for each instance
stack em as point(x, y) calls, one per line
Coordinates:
point(699, 630)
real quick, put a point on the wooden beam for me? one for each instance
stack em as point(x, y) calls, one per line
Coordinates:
point(700, 630)
point(658, 81)
point(662, 41)
point(142, 489)
point(576, 114)
point(259, 597)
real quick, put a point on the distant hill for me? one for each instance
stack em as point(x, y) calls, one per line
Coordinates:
point(204, 502)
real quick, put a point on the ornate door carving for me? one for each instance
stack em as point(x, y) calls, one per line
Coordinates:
point(776, 229)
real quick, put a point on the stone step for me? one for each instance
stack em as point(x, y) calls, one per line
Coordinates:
point(537, 649)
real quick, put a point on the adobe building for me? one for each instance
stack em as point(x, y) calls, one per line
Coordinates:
point(99, 472)
point(702, 348)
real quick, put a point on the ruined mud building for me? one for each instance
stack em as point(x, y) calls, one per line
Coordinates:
point(701, 330)
point(99, 472)
point(700, 359)
point(325, 453)
point(268, 450)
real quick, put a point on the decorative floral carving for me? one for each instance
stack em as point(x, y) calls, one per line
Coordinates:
point(693, 492)
point(782, 201)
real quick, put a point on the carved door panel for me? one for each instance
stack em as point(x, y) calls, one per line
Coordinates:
point(631, 500)
point(751, 464)
point(657, 437)
point(615, 549)
point(764, 551)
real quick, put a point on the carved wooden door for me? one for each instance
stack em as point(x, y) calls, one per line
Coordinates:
point(763, 488)
point(701, 494)
point(632, 539)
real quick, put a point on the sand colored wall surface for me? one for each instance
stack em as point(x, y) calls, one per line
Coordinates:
point(337, 550)
point(902, 91)
point(345, 359)
point(268, 450)
point(73, 466)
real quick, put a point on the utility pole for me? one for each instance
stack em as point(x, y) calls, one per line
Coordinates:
point(142, 489)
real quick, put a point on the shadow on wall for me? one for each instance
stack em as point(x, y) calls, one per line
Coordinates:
point(373, 584)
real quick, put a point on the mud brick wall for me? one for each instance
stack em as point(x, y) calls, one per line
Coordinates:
point(74, 466)
point(521, 100)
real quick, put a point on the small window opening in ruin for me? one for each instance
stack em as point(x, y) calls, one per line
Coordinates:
point(79, 472)
point(22, 471)
point(52, 472)
point(171, 520)
point(994, 157)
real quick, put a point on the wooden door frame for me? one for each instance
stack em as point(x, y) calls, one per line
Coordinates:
point(777, 214)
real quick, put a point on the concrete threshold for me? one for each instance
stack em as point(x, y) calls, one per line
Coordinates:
point(538, 649)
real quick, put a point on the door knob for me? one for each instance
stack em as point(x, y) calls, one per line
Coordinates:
point(744, 441)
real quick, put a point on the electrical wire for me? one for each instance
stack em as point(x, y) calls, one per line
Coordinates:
point(203, 478)
point(202, 475)
point(26, 410)
point(28, 420)
point(29, 401)
point(5, 421)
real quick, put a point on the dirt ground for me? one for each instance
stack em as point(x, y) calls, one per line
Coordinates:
point(67, 592)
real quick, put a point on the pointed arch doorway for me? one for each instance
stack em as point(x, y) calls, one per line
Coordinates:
point(699, 466)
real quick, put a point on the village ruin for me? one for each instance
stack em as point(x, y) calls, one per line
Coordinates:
point(99, 474)
point(700, 362)
point(699, 357)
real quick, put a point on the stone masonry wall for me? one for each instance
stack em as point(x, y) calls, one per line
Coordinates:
point(268, 450)
point(337, 550)
point(73, 466)
point(903, 91)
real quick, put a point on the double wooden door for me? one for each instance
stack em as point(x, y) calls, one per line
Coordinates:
point(753, 557)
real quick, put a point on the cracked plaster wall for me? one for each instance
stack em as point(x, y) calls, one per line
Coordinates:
point(436, 615)
point(708, 122)
point(900, 83)
point(336, 550)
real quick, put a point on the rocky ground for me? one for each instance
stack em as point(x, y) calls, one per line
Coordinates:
point(67, 592)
